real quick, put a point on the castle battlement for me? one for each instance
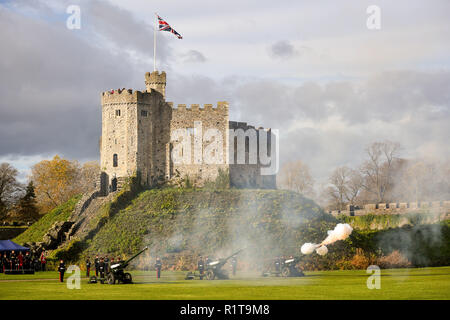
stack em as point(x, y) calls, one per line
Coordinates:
point(127, 96)
point(221, 106)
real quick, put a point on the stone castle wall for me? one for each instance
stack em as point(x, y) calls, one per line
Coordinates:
point(197, 121)
point(395, 208)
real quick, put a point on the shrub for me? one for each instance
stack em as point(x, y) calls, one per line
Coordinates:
point(394, 260)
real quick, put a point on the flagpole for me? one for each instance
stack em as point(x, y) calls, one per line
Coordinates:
point(154, 44)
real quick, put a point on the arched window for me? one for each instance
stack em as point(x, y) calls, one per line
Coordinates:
point(115, 160)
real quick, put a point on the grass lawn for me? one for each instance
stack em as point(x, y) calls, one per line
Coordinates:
point(423, 283)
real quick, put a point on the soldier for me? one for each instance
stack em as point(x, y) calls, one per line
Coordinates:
point(27, 261)
point(43, 261)
point(20, 261)
point(207, 261)
point(106, 260)
point(101, 268)
point(234, 265)
point(61, 270)
point(3, 261)
point(12, 260)
point(88, 266)
point(96, 265)
point(277, 265)
point(201, 266)
point(158, 266)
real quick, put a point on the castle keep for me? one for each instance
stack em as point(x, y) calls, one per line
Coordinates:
point(141, 133)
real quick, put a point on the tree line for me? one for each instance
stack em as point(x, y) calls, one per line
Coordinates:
point(383, 177)
point(51, 183)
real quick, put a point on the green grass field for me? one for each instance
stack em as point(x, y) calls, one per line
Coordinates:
point(423, 283)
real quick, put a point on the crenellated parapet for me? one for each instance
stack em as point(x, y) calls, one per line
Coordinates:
point(128, 96)
point(221, 106)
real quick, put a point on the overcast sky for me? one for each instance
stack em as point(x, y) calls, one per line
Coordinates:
point(311, 69)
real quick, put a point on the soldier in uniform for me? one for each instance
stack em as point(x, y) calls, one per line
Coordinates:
point(2, 263)
point(12, 260)
point(20, 261)
point(207, 261)
point(27, 261)
point(43, 261)
point(234, 265)
point(96, 265)
point(88, 267)
point(101, 268)
point(201, 266)
point(106, 260)
point(277, 265)
point(158, 266)
point(61, 270)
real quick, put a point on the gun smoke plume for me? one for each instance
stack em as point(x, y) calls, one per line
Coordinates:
point(341, 232)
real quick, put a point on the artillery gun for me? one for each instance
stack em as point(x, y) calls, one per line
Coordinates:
point(286, 268)
point(116, 272)
point(214, 269)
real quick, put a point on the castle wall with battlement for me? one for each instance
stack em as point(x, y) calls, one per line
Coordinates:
point(197, 121)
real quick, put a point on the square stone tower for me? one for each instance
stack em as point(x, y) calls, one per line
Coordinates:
point(135, 134)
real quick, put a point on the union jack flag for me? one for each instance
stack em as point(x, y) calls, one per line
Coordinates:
point(164, 26)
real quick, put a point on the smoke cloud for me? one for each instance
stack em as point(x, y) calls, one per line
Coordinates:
point(341, 232)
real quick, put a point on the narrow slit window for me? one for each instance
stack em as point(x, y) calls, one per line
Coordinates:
point(118, 113)
point(115, 160)
point(143, 113)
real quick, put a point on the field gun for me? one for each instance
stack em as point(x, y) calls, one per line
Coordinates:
point(214, 268)
point(117, 273)
point(285, 267)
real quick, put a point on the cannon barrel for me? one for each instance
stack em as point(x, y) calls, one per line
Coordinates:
point(124, 264)
point(221, 262)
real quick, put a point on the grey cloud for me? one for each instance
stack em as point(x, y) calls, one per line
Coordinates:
point(282, 49)
point(193, 56)
point(52, 78)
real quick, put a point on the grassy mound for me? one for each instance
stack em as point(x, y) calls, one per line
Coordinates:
point(190, 222)
point(37, 230)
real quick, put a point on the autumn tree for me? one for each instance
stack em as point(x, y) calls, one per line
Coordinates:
point(56, 181)
point(296, 176)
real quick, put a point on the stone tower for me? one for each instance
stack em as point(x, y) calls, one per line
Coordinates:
point(156, 81)
point(135, 134)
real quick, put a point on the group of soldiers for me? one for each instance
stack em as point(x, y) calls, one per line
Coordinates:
point(102, 266)
point(20, 262)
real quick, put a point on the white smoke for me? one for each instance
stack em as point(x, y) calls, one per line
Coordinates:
point(323, 250)
point(309, 248)
point(341, 232)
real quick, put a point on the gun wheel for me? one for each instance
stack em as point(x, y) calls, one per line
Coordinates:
point(285, 272)
point(111, 279)
point(209, 275)
point(127, 278)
